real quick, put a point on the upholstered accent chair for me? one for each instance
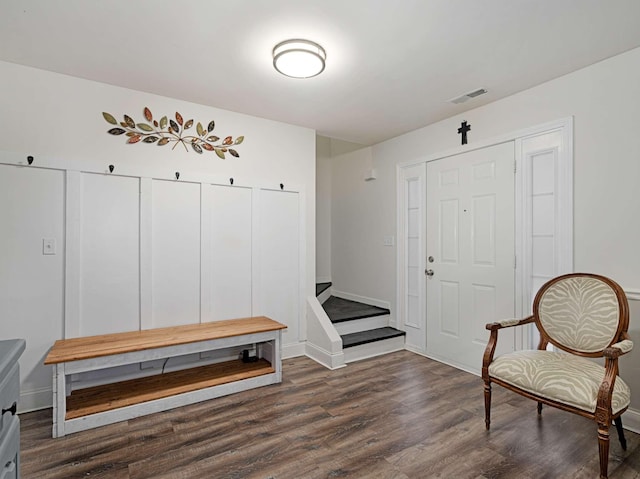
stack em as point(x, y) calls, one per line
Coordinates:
point(583, 316)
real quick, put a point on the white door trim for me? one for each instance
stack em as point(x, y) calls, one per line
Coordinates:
point(565, 208)
point(512, 136)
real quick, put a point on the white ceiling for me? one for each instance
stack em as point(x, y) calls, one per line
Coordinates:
point(391, 65)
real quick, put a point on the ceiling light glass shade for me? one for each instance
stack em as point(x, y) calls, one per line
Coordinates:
point(299, 58)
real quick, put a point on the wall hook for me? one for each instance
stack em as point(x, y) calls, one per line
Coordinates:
point(29, 159)
point(111, 168)
point(231, 180)
point(177, 175)
point(282, 186)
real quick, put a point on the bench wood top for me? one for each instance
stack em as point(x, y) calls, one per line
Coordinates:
point(88, 347)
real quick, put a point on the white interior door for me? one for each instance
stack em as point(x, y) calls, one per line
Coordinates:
point(470, 253)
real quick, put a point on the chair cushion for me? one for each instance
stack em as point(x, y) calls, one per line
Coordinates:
point(562, 377)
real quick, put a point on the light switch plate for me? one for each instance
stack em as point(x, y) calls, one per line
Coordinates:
point(389, 241)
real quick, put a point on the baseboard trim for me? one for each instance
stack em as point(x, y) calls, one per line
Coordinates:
point(293, 350)
point(35, 400)
point(631, 420)
point(413, 350)
point(362, 299)
point(323, 279)
point(453, 364)
point(324, 357)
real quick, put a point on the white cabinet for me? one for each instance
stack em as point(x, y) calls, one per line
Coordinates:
point(10, 351)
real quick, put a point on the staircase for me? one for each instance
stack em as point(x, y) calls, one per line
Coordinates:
point(364, 328)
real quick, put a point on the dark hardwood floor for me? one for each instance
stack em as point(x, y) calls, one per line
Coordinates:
point(394, 417)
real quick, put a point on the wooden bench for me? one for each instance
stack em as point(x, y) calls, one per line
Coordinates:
point(81, 409)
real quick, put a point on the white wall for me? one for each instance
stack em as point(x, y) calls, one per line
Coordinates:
point(58, 120)
point(326, 149)
point(323, 209)
point(602, 98)
point(360, 263)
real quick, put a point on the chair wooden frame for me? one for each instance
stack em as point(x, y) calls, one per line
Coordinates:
point(602, 415)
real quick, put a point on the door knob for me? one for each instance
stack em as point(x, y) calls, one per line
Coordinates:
point(428, 272)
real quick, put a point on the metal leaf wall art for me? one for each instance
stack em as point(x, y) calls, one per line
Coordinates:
point(168, 130)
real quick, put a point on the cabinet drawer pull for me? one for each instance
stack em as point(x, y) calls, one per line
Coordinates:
point(13, 409)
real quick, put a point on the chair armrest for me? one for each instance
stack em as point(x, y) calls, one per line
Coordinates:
point(509, 323)
point(605, 392)
point(487, 358)
point(618, 349)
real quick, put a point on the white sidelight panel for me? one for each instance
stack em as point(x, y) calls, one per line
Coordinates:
point(230, 252)
point(32, 278)
point(175, 244)
point(109, 255)
point(544, 213)
point(278, 240)
point(411, 257)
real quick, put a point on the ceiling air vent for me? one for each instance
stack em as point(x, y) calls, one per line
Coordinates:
point(468, 96)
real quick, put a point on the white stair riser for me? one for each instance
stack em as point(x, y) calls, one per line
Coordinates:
point(364, 324)
point(376, 348)
point(326, 294)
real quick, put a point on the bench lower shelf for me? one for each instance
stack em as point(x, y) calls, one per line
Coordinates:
point(97, 399)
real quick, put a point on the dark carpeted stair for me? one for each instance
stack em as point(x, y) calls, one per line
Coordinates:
point(364, 337)
point(340, 310)
point(321, 288)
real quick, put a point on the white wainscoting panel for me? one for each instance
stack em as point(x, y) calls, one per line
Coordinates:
point(109, 252)
point(230, 252)
point(31, 283)
point(136, 252)
point(278, 240)
point(176, 253)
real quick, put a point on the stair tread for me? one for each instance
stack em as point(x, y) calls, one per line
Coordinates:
point(322, 287)
point(370, 336)
point(339, 309)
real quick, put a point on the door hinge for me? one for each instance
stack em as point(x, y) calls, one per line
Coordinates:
point(515, 261)
point(515, 166)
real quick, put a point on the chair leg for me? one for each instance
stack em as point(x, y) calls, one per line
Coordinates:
point(487, 404)
point(603, 448)
point(539, 408)
point(623, 441)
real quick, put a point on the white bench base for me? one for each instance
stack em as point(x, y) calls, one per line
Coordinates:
point(269, 348)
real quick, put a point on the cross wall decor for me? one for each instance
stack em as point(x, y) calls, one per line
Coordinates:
point(464, 128)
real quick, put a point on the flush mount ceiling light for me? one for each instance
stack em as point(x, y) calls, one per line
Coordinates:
point(299, 58)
